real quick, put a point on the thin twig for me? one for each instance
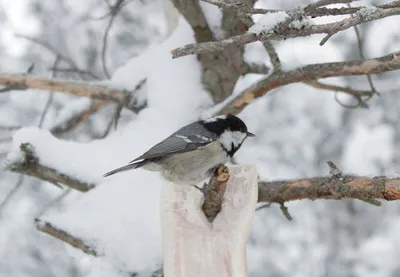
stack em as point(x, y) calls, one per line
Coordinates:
point(48, 228)
point(8, 197)
point(76, 119)
point(50, 98)
point(9, 128)
point(354, 92)
point(113, 121)
point(362, 56)
point(56, 52)
point(54, 202)
point(115, 9)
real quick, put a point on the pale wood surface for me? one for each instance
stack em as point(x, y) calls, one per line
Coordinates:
point(192, 246)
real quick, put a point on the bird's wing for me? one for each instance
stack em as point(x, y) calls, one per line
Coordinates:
point(174, 144)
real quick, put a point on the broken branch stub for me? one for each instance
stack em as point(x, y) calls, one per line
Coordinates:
point(193, 246)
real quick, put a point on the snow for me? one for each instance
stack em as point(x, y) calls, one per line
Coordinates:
point(65, 162)
point(267, 22)
point(73, 108)
point(367, 12)
point(301, 24)
point(369, 144)
point(120, 217)
point(213, 16)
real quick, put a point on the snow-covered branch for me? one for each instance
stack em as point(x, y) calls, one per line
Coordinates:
point(385, 63)
point(23, 82)
point(29, 164)
point(292, 27)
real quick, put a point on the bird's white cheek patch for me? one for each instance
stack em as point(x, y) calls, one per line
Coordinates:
point(229, 137)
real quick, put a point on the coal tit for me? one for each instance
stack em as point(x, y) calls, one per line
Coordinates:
point(191, 154)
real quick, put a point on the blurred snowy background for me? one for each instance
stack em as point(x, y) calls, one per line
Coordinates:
point(298, 129)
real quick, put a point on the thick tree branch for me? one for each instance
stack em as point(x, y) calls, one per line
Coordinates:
point(311, 72)
point(350, 187)
point(220, 71)
point(30, 165)
point(23, 82)
point(284, 31)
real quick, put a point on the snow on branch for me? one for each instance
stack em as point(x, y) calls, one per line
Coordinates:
point(290, 28)
point(29, 164)
point(99, 92)
point(385, 63)
point(35, 152)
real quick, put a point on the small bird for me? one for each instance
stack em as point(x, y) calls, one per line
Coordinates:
point(193, 153)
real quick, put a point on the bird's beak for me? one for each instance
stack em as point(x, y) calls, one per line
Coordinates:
point(250, 134)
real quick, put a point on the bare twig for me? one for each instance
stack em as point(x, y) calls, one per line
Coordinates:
point(285, 212)
point(57, 53)
point(113, 121)
point(347, 90)
point(55, 201)
point(284, 32)
point(12, 192)
point(49, 229)
point(50, 98)
point(114, 12)
point(362, 56)
point(9, 128)
point(23, 82)
point(73, 121)
point(311, 72)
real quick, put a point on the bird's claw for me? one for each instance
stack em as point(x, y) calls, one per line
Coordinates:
point(203, 190)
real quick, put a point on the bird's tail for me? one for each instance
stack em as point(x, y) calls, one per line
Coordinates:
point(122, 169)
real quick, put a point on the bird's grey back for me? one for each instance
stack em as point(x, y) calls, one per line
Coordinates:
point(188, 138)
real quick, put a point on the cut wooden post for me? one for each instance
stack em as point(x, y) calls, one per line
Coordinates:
point(192, 246)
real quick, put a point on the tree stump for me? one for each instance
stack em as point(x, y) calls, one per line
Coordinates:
point(192, 246)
